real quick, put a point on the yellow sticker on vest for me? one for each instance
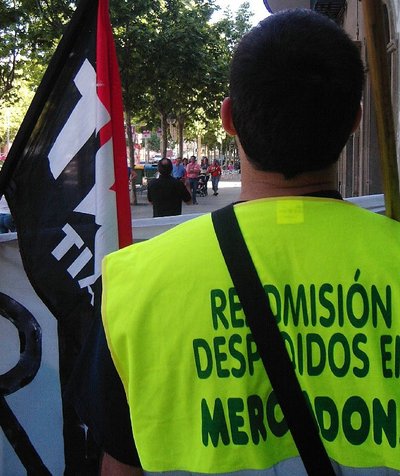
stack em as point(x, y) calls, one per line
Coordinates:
point(289, 212)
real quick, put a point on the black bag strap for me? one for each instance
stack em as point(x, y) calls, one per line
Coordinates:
point(270, 344)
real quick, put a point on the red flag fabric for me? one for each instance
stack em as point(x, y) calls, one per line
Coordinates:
point(109, 93)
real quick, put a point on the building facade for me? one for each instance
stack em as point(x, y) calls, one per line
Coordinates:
point(359, 166)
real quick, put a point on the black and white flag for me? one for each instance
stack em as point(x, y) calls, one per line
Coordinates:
point(66, 182)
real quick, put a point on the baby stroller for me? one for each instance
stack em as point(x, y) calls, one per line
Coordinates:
point(202, 186)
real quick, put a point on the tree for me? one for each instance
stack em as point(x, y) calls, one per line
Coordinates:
point(171, 61)
point(29, 33)
point(12, 113)
point(132, 23)
point(200, 104)
point(231, 29)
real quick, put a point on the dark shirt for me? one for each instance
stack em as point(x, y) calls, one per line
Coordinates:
point(167, 194)
point(97, 394)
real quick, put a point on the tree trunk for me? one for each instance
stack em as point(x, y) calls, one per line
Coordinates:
point(131, 149)
point(128, 119)
point(181, 123)
point(198, 146)
point(164, 136)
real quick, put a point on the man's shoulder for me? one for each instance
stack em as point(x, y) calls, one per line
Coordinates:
point(152, 182)
point(185, 236)
point(152, 260)
point(161, 181)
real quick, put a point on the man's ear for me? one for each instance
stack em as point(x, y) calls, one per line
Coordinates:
point(226, 116)
point(357, 120)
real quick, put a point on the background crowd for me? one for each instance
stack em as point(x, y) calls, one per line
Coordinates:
point(196, 176)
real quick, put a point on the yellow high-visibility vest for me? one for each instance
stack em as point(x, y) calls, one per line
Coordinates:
point(199, 397)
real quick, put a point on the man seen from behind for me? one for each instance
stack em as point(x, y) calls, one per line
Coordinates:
point(199, 399)
point(166, 193)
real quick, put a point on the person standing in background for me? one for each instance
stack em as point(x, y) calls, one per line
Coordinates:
point(215, 171)
point(193, 170)
point(6, 220)
point(178, 169)
point(166, 193)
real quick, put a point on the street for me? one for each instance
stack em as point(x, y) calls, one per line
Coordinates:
point(145, 226)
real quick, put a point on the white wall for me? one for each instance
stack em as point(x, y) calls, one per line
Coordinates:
point(37, 406)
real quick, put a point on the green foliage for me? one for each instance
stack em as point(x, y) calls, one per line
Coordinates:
point(29, 32)
point(12, 113)
point(173, 60)
point(154, 142)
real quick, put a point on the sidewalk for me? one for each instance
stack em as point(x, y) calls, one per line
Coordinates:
point(145, 226)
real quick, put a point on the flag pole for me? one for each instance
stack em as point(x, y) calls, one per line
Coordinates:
point(380, 81)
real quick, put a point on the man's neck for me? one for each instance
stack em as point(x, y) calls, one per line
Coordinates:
point(258, 184)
